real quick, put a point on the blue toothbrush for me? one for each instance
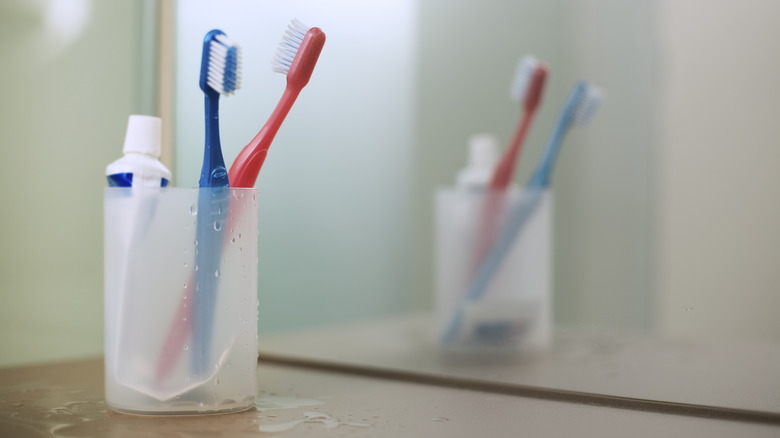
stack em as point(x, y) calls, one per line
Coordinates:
point(219, 74)
point(582, 103)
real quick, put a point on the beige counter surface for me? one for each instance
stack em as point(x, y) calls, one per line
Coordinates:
point(66, 400)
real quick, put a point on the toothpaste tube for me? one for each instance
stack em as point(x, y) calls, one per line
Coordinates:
point(140, 166)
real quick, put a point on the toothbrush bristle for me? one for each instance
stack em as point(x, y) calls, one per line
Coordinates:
point(224, 74)
point(588, 105)
point(523, 73)
point(288, 47)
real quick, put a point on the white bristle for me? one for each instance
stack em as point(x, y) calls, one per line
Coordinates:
point(224, 73)
point(588, 105)
point(288, 47)
point(523, 73)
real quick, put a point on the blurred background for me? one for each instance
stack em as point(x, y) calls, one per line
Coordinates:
point(666, 206)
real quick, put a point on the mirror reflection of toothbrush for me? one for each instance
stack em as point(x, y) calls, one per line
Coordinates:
point(527, 88)
point(580, 107)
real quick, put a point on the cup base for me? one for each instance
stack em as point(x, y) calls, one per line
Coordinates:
point(186, 409)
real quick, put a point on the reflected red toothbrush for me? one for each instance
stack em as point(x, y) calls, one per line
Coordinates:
point(528, 88)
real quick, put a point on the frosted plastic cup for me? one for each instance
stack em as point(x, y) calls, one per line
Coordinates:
point(180, 300)
point(503, 304)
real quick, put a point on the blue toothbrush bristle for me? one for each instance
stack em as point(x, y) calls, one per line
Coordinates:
point(288, 47)
point(588, 105)
point(224, 74)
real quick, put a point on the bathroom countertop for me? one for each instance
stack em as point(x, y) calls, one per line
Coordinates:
point(66, 400)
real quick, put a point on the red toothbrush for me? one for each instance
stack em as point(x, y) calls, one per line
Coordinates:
point(528, 86)
point(296, 57)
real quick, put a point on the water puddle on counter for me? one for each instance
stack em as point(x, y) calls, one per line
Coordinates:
point(46, 410)
point(272, 402)
point(328, 422)
point(268, 403)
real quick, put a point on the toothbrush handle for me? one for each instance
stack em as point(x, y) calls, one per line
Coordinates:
point(213, 208)
point(243, 173)
point(181, 326)
point(494, 199)
point(543, 173)
point(533, 97)
point(247, 165)
point(213, 173)
point(489, 221)
point(505, 168)
point(502, 175)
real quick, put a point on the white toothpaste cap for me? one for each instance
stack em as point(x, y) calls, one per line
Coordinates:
point(143, 135)
point(482, 159)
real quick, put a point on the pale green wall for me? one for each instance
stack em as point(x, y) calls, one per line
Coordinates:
point(62, 120)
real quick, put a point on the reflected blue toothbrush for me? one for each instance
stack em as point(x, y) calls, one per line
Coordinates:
point(582, 103)
point(219, 74)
